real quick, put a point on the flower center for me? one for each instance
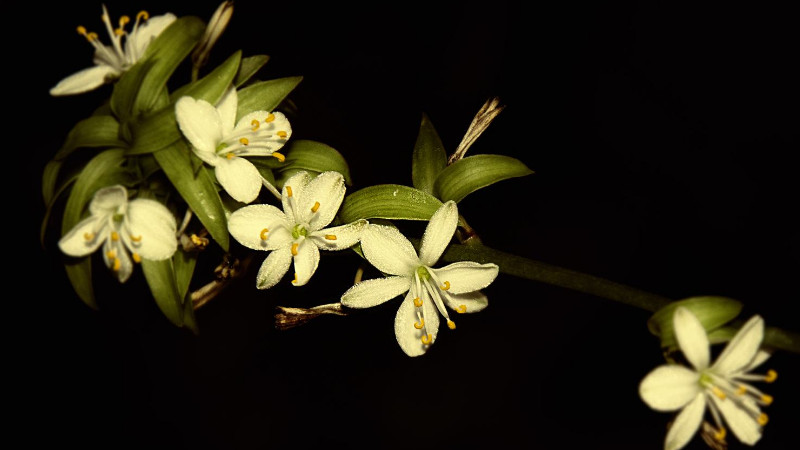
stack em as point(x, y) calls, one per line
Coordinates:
point(299, 230)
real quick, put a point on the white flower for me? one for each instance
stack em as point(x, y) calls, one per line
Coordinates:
point(144, 227)
point(297, 232)
point(220, 144)
point(428, 290)
point(723, 386)
point(113, 60)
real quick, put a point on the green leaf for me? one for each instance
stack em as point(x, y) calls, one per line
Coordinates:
point(49, 208)
point(184, 263)
point(161, 129)
point(265, 95)
point(469, 174)
point(249, 67)
point(189, 320)
point(160, 276)
point(196, 188)
point(123, 96)
point(50, 180)
point(92, 132)
point(79, 273)
point(388, 201)
point(712, 311)
point(315, 157)
point(429, 157)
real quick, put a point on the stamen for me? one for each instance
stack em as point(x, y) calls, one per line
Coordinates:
point(119, 32)
point(136, 258)
point(427, 339)
point(279, 156)
point(244, 141)
point(288, 191)
point(255, 124)
point(269, 118)
point(114, 236)
point(446, 286)
point(117, 265)
point(198, 241)
point(136, 238)
point(263, 234)
point(294, 248)
point(418, 302)
point(88, 236)
point(229, 155)
point(282, 134)
point(89, 36)
point(111, 254)
point(330, 237)
point(718, 392)
point(143, 15)
point(419, 325)
point(295, 278)
point(720, 434)
point(742, 390)
point(461, 309)
point(451, 324)
point(771, 376)
point(763, 419)
point(124, 20)
point(315, 208)
point(766, 399)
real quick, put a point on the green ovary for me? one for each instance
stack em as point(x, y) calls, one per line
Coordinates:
point(298, 231)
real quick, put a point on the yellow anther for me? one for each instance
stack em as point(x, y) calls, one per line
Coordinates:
point(420, 324)
point(136, 258)
point(771, 376)
point(720, 434)
point(288, 191)
point(244, 141)
point(742, 390)
point(279, 156)
point(119, 32)
point(114, 236)
point(198, 241)
point(91, 36)
point(330, 237)
point(295, 278)
point(282, 134)
point(294, 248)
point(143, 15)
point(451, 324)
point(117, 264)
point(766, 399)
point(718, 392)
point(263, 234)
point(315, 208)
point(446, 286)
point(136, 238)
point(269, 118)
point(111, 254)
point(255, 124)
point(124, 21)
point(418, 302)
point(427, 339)
point(229, 155)
point(82, 30)
point(763, 419)
point(88, 236)
point(461, 309)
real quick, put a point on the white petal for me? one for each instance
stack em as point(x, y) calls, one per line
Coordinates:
point(691, 337)
point(669, 387)
point(328, 189)
point(741, 423)
point(226, 107)
point(467, 303)
point(388, 250)
point(125, 269)
point(408, 336)
point(247, 224)
point(84, 80)
point(686, 424)
point(274, 268)
point(155, 225)
point(272, 143)
point(240, 178)
point(74, 243)
point(305, 262)
point(108, 200)
point(467, 276)
point(149, 31)
point(297, 183)
point(761, 357)
point(200, 122)
point(344, 236)
point(741, 350)
point(438, 233)
point(370, 293)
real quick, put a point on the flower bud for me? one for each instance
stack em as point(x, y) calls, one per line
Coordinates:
point(217, 24)
point(712, 311)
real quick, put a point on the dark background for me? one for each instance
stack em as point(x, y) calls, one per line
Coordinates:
point(663, 137)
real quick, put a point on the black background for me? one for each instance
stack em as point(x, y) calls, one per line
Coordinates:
point(663, 137)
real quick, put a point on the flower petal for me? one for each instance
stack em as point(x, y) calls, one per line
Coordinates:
point(328, 189)
point(296, 184)
point(691, 337)
point(339, 238)
point(226, 107)
point(742, 349)
point(409, 336)
point(388, 250)
point(121, 264)
point(686, 423)
point(469, 302)
point(74, 243)
point(743, 425)
point(147, 32)
point(84, 80)
point(200, 122)
point(467, 276)
point(274, 268)
point(761, 357)
point(108, 200)
point(266, 136)
point(248, 224)
point(305, 262)
point(669, 387)
point(152, 228)
point(240, 178)
point(373, 292)
point(438, 233)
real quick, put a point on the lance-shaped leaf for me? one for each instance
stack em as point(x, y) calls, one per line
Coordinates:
point(469, 174)
point(249, 67)
point(161, 129)
point(50, 180)
point(388, 201)
point(712, 311)
point(160, 276)
point(184, 263)
point(49, 208)
point(196, 188)
point(265, 95)
point(314, 157)
point(429, 157)
point(92, 132)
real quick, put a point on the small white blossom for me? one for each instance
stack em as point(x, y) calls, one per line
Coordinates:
point(113, 60)
point(427, 290)
point(223, 143)
point(144, 227)
point(723, 386)
point(297, 233)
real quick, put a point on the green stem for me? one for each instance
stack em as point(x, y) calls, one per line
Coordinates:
point(589, 284)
